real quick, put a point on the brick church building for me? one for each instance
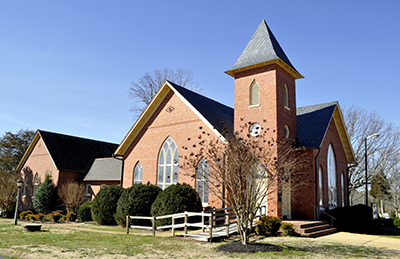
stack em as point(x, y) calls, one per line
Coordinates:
point(265, 89)
point(265, 94)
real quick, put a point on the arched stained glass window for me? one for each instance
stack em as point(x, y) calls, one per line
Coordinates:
point(35, 184)
point(321, 189)
point(286, 96)
point(138, 173)
point(254, 94)
point(202, 177)
point(168, 164)
point(332, 178)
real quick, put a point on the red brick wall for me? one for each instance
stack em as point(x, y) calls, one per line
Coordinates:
point(271, 114)
point(180, 124)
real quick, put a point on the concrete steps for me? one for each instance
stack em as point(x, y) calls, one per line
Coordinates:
point(313, 228)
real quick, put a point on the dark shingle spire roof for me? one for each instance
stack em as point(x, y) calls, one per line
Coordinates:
point(219, 115)
point(312, 123)
point(75, 154)
point(262, 47)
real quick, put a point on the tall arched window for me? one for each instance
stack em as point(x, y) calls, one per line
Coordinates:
point(286, 96)
point(202, 177)
point(254, 93)
point(168, 164)
point(138, 173)
point(332, 178)
point(321, 189)
point(35, 184)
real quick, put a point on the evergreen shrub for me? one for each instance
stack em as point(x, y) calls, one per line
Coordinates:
point(136, 201)
point(23, 214)
point(287, 229)
point(71, 216)
point(31, 217)
point(355, 219)
point(85, 211)
point(177, 198)
point(396, 222)
point(55, 217)
point(46, 197)
point(104, 205)
point(268, 226)
point(40, 216)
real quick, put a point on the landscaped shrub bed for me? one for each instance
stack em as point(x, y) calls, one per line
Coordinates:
point(85, 211)
point(105, 205)
point(268, 226)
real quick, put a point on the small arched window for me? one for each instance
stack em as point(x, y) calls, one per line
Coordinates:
point(202, 177)
point(138, 173)
point(286, 96)
point(254, 93)
point(287, 131)
point(168, 164)
point(332, 178)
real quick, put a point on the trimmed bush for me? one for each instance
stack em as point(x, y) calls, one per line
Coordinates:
point(136, 201)
point(23, 214)
point(287, 229)
point(177, 198)
point(396, 222)
point(104, 205)
point(268, 226)
point(85, 211)
point(355, 219)
point(40, 216)
point(71, 216)
point(31, 217)
point(55, 217)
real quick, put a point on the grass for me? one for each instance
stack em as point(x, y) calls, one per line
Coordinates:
point(65, 241)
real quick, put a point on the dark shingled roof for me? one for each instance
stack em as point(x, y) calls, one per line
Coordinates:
point(105, 169)
point(73, 153)
point(219, 115)
point(312, 124)
point(262, 47)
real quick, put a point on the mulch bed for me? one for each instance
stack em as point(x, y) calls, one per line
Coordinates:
point(238, 247)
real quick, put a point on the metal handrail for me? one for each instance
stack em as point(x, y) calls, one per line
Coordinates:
point(332, 218)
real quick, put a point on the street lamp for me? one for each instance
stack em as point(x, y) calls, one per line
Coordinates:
point(375, 135)
point(19, 184)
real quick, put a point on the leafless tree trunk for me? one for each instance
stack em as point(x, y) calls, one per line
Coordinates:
point(8, 190)
point(72, 194)
point(250, 169)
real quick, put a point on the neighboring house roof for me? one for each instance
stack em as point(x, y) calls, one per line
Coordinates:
point(263, 48)
point(212, 113)
point(105, 169)
point(70, 153)
point(313, 122)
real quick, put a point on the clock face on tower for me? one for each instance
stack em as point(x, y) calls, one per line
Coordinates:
point(254, 129)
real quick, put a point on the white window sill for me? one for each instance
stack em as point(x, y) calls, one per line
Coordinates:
point(255, 105)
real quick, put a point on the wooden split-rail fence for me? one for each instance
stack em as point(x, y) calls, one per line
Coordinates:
point(216, 223)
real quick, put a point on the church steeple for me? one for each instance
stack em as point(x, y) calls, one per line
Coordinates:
point(263, 49)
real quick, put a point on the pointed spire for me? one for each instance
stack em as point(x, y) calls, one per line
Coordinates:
point(262, 48)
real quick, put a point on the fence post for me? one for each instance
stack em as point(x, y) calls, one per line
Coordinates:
point(153, 223)
point(214, 214)
point(173, 228)
point(227, 223)
point(186, 221)
point(202, 221)
point(127, 224)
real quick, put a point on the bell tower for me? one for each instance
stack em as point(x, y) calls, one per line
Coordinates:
point(265, 96)
point(265, 89)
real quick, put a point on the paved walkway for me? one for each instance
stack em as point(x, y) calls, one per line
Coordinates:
point(360, 239)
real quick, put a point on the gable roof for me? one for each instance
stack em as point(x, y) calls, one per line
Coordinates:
point(70, 153)
point(105, 169)
point(313, 122)
point(263, 49)
point(212, 113)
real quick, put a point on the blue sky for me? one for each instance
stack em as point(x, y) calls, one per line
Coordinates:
point(66, 66)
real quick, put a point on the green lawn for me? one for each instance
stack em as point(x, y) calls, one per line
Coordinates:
point(64, 242)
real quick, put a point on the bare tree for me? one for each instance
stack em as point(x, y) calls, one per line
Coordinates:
point(8, 191)
point(142, 92)
point(250, 169)
point(72, 194)
point(381, 151)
